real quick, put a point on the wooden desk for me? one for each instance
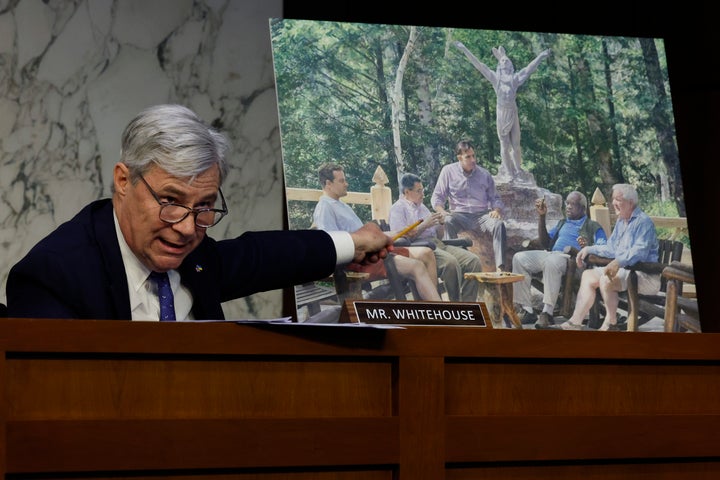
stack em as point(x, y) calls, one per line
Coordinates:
point(503, 290)
point(219, 401)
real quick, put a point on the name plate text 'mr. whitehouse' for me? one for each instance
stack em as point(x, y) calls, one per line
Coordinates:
point(417, 313)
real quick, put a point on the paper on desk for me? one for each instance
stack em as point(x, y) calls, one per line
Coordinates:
point(288, 321)
point(269, 320)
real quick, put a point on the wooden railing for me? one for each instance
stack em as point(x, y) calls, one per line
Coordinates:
point(380, 200)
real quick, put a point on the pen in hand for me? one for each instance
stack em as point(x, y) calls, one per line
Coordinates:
point(406, 230)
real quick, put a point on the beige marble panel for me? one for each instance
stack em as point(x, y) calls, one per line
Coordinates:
point(72, 74)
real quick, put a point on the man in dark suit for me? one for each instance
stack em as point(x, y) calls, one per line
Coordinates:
point(166, 193)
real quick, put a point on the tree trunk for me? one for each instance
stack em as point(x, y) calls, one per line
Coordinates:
point(396, 102)
point(663, 124)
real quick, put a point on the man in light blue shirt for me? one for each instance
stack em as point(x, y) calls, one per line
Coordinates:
point(332, 214)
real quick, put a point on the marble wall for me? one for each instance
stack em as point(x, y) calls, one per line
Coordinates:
point(74, 72)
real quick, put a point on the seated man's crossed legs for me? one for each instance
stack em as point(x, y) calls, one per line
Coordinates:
point(552, 265)
point(457, 222)
point(452, 263)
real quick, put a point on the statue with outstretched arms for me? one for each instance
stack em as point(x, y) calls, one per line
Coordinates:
point(505, 82)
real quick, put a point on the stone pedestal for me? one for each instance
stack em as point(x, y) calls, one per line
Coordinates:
point(521, 220)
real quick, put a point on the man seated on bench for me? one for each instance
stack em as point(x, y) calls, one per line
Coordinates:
point(576, 231)
point(468, 190)
point(452, 262)
point(416, 263)
point(632, 240)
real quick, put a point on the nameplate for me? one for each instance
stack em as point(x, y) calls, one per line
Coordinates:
point(398, 312)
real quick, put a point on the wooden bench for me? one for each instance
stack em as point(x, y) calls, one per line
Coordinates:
point(311, 294)
point(681, 313)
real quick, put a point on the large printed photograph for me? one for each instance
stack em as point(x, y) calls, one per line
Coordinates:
point(535, 172)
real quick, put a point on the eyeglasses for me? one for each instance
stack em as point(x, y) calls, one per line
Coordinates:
point(176, 213)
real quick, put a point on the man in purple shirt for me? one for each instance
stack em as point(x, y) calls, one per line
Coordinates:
point(473, 203)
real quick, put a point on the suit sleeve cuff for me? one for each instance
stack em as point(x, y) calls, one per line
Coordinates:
point(344, 247)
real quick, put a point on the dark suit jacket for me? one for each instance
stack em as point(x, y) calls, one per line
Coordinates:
point(77, 270)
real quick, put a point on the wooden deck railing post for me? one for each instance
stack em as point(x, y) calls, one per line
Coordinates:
point(599, 211)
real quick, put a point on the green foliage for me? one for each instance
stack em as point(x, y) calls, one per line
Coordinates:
point(591, 115)
point(665, 209)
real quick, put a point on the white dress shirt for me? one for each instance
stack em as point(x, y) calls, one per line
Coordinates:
point(144, 302)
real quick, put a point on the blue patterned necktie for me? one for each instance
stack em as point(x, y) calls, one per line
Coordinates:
point(165, 295)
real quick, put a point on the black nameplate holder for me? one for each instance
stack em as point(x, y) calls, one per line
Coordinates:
point(399, 312)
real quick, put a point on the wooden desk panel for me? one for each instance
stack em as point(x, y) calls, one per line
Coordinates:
point(670, 470)
point(89, 388)
point(152, 400)
point(479, 388)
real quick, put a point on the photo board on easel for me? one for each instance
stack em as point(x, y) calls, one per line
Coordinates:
point(385, 100)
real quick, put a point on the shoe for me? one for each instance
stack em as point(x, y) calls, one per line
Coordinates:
point(528, 318)
point(544, 320)
point(570, 326)
point(609, 327)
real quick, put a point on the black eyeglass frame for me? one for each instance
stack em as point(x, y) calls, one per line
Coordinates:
point(194, 211)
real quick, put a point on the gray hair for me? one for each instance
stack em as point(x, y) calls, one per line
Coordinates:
point(175, 139)
point(627, 191)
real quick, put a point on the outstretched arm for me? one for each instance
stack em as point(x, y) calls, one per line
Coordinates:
point(371, 244)
point(484, 69)
point(523, 74)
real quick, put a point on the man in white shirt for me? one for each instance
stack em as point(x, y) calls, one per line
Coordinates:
point(452, 261)
point(166, 194)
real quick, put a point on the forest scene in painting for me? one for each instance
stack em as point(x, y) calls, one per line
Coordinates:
point(384, 100)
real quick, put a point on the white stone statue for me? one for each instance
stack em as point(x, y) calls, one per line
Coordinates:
point(506, 82)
